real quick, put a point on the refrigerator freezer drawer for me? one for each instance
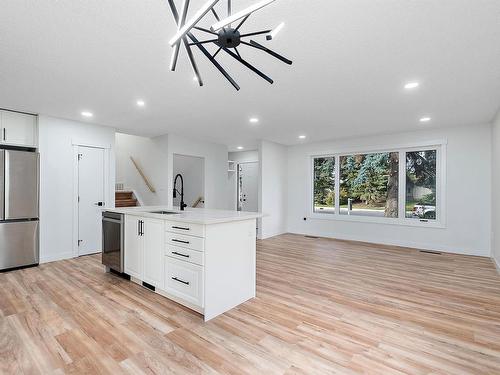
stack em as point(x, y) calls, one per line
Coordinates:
point(19, 244)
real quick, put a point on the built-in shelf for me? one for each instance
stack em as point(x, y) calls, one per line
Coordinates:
point(231, 166)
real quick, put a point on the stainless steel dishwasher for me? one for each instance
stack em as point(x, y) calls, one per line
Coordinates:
point(113, 241)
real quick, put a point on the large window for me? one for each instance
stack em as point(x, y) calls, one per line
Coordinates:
point(324, 185)
point(421, 185)
point(400, 186)
point(369, 184)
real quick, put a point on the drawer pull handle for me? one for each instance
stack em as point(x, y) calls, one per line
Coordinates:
point(181, 228)
point(175, 240)
point(180, 281)
point(182, 255)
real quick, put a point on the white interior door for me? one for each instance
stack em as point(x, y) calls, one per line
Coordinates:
point(90, 199)
point(248, 179)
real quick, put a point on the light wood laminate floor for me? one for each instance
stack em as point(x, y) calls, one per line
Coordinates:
point(322, 307)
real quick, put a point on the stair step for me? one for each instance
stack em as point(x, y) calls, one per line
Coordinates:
point(126, 203)
point(121, 195)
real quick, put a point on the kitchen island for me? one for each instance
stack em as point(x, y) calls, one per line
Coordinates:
point(203, 259)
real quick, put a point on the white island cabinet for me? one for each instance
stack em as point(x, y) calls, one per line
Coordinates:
point(202, 259)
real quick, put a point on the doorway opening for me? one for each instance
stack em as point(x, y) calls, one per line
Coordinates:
point(192, 169)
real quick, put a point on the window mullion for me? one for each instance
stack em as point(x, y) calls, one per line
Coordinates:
point(337, 184)
point(402, 186)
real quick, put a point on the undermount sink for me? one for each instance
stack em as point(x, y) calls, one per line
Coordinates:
point(164, 212)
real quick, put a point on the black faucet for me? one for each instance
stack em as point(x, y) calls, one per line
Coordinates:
point(182, 204)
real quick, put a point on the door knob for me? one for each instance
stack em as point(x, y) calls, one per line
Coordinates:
point(99, 204)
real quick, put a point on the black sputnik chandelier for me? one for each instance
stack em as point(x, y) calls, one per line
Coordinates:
point(225, 34)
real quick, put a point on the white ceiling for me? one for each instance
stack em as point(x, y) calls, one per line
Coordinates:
point(351, 59)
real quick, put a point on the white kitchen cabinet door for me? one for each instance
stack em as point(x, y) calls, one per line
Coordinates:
point(18, 129)
point(133, 247)
point(154, 248)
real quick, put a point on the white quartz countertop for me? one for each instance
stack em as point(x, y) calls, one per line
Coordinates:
point(190, 215)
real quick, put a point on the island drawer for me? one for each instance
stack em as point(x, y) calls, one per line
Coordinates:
point(187, 255)
point(184, 280)
point(181, 240)
point(185, 228)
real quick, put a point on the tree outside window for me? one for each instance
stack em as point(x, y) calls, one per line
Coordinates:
point(369, 184)
point(421, 184)
point(324, 185)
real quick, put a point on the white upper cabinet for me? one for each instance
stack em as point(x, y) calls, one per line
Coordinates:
point(18, 129)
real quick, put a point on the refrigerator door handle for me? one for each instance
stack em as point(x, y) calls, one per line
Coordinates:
point(6, 184)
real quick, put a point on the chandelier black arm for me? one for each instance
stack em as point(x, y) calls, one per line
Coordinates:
point(256, 45)
point(203, 42)
point(255, 33)
point(213, 61)
point(176, 47)
point(173, 8)
point(242, 22)
point(236, 50)
point(251, 67)
point(192, 61)
point(217, 52)
point(215, 14)
point(205, 30)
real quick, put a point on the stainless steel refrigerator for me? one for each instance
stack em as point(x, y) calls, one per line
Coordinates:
point(19, 225)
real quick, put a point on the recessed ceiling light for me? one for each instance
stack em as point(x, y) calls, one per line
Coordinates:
point(141, 103)
point(240, 147)
point(302, 137)
point(412, 85)
point(254, 120)
point(87, 114)
point(425, 119)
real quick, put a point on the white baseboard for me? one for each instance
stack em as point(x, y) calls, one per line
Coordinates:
point(56, 257)
point(413, 245)
point(496, 262)
point(272, 234)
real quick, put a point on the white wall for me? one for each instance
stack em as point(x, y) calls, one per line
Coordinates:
point(215, 156)
point(468, 192)
point(151, 154)
point(495, 197)
point(57, 166)
point(273, 189)
point(156, 157)
point(192, 169)
point(238, 157)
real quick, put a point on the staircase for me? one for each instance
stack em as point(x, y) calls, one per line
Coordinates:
point(125, 199)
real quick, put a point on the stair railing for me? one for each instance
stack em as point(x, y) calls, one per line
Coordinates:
point(197, 202)
point(141, 173)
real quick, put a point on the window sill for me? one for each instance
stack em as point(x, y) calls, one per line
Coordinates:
point(377, 220)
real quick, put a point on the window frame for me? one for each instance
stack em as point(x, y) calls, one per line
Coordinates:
point(439, 222)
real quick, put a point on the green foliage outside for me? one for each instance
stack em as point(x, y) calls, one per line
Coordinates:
point(324, 181)
point(364, 178)
point(421, 171)
point(371, 180)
